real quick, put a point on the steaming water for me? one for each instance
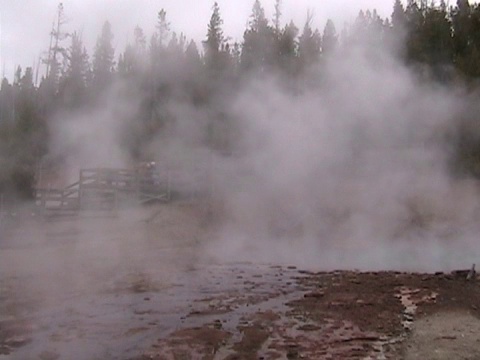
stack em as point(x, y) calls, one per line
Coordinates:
point(113, 321)
point(96, 288)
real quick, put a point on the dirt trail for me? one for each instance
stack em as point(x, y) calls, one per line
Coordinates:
point(445, 336)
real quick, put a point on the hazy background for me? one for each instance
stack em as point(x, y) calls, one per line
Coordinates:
point(26, 24)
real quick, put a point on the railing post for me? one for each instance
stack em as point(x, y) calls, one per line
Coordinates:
point(168, 184)
point(1, 210)
point(80, 189)
point(43, 202)
point(137, 184)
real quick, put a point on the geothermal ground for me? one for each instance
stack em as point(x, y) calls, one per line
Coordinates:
point(137, 285)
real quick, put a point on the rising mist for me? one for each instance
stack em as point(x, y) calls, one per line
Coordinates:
point(329, 159)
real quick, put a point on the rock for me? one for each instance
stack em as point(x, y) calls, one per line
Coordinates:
point(217, 324)
point(292, 354)
point(315, 295)
point(17, 341)
point(447, 337)
point(5, 350)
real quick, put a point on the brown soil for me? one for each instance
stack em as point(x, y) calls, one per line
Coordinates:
point(352, 315)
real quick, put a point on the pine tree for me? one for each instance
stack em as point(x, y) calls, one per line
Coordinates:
point(415, 18)
point(131, 62)
point(213, 45)
point(259, 48)
point(74, 82)
point(163, 28)
point(158, 44)
point(139, 40)
point(192, 56)
point(474, 58)
point(398, 17)
point(103, 57)
point(329, 38)
point(397, 29)
point(277, 15)
point(127, 62)
point(287, 49)
point(176, 48)
point(28, 142)
point(437, 36)
point(258, 22)
point(462, 34)
point(309, 44)
point(6, 102)
point(56, 51)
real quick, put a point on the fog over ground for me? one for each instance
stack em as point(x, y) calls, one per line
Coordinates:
point(347, 167)
point(348, 171)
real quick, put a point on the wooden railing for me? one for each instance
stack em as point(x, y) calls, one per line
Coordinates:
point(106, 188)
point(101, 188)
point(57, 200)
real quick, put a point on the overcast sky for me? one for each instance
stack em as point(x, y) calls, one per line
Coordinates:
point(26, 24)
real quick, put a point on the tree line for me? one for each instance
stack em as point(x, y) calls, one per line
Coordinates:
point(440, 43)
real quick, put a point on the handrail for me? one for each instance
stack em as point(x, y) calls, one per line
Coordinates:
point(72, 185)
point(95, 182)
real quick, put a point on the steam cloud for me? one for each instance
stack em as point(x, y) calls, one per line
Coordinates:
point(346, 170)
point(352, 173)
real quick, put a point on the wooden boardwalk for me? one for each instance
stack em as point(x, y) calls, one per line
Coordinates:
point(104, 189)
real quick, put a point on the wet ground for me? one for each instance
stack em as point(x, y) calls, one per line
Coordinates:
point(131, 299)
point(238, 311)
point(134, 311)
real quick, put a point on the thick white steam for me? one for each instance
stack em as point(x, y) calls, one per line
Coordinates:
point(347, 169)
point(349, 173)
